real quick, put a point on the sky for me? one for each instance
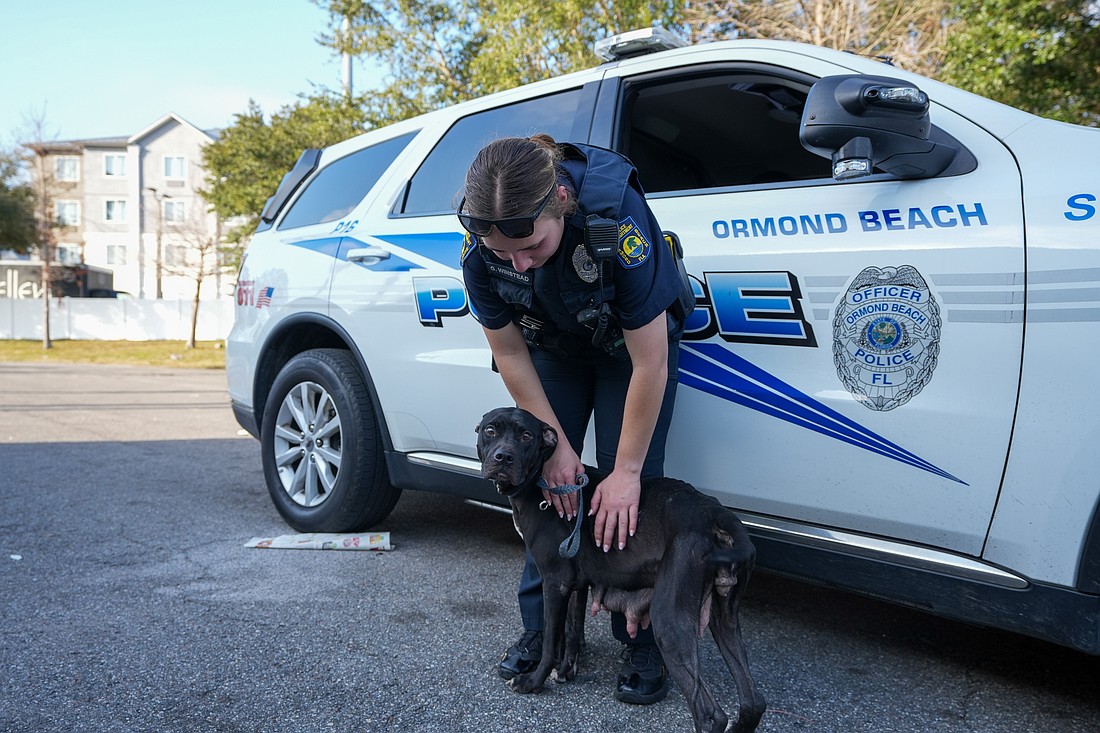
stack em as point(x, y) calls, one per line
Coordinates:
point(106, 68)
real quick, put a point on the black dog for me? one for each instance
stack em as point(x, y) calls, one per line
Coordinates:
point(684, 570)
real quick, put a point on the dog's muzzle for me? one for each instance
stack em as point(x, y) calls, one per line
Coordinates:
point(501, 467)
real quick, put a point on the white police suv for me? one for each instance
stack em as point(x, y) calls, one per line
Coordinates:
point(890, 372)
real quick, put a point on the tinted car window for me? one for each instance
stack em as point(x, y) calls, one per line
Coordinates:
point(342, 184)
point(435, 187)
point(724, 129)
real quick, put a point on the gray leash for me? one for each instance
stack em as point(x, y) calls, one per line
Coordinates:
point(571, 544)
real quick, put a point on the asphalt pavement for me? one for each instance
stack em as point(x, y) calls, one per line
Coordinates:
point(129, 602)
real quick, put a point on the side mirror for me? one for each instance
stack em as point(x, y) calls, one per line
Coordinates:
point(867, 122)
point(307, 163)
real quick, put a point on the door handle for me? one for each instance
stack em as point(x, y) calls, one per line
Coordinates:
point(368, 255)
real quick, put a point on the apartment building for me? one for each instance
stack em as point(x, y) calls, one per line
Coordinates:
point(132, 205)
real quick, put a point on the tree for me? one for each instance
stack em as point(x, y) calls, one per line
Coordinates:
point(245, 164)
point(16, 204)
point(199, 257)
point(42, 185)
point(440, 52)
point(1042, 56)
point(910, 34)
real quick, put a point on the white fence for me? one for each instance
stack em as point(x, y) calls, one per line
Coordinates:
point(108, 319)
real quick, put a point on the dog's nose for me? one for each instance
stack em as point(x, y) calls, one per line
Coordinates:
point(503, 457)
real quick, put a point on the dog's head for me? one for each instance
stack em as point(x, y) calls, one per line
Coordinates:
point(512, 445)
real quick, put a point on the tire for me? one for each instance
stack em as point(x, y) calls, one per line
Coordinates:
point(321, 445)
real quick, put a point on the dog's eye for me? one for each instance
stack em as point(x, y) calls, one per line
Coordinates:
point(527, 436)
point(489, 431)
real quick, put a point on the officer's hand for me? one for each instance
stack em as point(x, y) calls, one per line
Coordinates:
point(562, 470)
point(615, 506)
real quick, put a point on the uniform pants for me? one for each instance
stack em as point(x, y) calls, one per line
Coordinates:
point(578, 392)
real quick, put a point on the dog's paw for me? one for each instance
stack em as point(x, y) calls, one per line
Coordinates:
point(524, 684)
point(565, 671)
point(564, 674)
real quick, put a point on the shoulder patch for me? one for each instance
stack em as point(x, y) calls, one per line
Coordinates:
point(469, 244)
point(633, 246)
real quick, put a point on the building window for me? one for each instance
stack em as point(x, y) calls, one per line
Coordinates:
point(174, 166)
point(115, 211)
point(67, 213)
point(116, 254)
point(68, 254)
point(114, 165)
point(175, 255)
point(175, 212)
point(67, 168)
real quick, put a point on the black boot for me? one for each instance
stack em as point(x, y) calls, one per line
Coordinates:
point(523, 656)
point(644, 679)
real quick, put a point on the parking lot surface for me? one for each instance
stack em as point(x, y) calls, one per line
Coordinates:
point(130, 603)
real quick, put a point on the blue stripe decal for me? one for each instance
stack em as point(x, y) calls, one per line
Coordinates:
point(393, 263)
point(713, 369)
point(442, 247)
point(328, 246)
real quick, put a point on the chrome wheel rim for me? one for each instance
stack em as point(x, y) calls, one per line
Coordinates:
point(308, 444)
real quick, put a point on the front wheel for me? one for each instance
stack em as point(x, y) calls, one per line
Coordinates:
point(322, 452)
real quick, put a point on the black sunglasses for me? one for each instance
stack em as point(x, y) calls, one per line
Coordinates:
point(516, 227)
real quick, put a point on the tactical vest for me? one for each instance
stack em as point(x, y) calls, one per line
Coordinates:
point(582, 320)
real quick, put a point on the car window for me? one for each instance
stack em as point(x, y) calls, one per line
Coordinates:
point(718, 129)
point(342, 184)
point(436, 185)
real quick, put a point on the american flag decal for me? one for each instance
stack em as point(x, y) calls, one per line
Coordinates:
point(264, 298)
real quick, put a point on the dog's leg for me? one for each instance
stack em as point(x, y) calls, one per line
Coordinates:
point(574, 635)
point(554, 601)
point(674, 615)
point(725, 626)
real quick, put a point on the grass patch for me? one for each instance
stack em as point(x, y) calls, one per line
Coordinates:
point(205, 355)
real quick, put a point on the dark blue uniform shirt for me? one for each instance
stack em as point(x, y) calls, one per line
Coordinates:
point(644, 278)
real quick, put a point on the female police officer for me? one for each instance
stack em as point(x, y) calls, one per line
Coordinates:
point(582, 305)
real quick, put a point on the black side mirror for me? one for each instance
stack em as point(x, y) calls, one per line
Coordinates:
point(307, 163)
point(867, 122)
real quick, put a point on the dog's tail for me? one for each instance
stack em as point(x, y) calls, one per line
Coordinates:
point(731, 540)
point(733, 555)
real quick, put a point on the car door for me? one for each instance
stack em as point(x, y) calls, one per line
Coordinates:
point(397, 285)
point(853, 361)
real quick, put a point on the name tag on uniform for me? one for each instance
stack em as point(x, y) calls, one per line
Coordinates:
point(523, 278)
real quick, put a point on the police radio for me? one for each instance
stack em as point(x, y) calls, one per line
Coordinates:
point(601, 237)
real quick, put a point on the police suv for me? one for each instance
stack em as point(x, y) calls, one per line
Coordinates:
point(890, 371)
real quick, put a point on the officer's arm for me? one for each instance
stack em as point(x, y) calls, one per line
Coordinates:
point(518, 372)
point(648, 348)
point(615, 503)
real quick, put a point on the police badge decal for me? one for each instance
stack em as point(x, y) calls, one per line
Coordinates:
point(886, 336)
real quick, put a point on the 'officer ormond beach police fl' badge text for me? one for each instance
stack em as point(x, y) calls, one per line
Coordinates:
point(886, 336)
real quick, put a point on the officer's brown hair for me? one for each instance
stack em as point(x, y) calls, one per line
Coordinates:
point(510, 177)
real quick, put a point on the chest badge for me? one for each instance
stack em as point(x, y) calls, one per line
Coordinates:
point(584, 265)
point(886, 336)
